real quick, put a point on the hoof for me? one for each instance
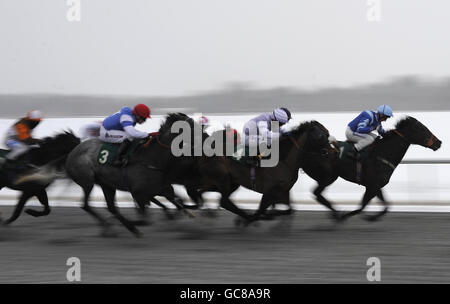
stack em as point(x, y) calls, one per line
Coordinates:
point(238, 222)
point(209, 213)
point(109, 234)
point(170, 216)
point(36, 213)
point(337, 216)
point(6, 223)
point(138, 234)
point(108, 230)
point(372, 218)
point(267, 217)
point(141, 223)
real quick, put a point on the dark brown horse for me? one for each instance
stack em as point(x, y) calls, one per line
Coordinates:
point(225, 174)
point(382, 159)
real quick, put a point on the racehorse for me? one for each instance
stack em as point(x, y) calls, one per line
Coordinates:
point(143, 177)
point(226, 174)
point(51, 155)
point(375, 170)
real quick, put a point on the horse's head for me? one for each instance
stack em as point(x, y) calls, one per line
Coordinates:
point(197, 133)
point(312, 135)
point(416, 133)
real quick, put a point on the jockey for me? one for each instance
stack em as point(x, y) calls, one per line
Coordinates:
point(259, 129)
point(360, 129)
point(19, 138)
point(91, 130)
point(203, 121)
point(119, 127)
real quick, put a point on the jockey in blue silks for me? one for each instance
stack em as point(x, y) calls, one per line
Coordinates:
point(119, 127)
point(360, 129)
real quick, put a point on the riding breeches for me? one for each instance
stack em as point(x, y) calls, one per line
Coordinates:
point(18, 148)
point(361, 140)
point(112, 136)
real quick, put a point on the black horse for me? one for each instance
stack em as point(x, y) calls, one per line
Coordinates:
point(375, 170)
point(51, 154)
point(226, 174)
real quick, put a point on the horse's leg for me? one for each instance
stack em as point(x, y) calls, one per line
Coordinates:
point(166, 210)
point(284, 199)
point(322, 200)
point(227, 204)
point(169, 194)
point(110, 197)
point(266, 201)
point(368, 196)
point(196, 197)
point(43, 199)
point(142, 201)
point(19, 207)
point(86, 207)
point(377, 216)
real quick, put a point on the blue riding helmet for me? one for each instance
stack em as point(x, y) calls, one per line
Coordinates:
point(386, 110)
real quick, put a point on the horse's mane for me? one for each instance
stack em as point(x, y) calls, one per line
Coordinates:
point(171, 118)
point(58, 137)
point(305, 126)
point(401, 124)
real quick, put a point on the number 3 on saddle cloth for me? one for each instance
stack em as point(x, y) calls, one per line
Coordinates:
point(108, 154)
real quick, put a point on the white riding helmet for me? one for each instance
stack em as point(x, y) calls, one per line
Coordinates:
point(281, 115)
point(35, 115)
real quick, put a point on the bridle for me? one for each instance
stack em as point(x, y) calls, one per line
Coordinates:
point(157, 140)
point(429, 143)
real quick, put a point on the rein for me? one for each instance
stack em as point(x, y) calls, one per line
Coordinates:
point(296, 144)
point(429, 144)
point(147, 143)
point(401, 135)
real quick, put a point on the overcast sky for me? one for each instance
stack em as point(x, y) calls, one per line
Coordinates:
point(176, 47)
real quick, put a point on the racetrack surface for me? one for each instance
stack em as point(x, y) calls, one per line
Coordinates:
point(304, 248)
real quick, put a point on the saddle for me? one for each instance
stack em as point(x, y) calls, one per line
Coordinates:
point(21, 165)
point(242, 156)
point(346, 148)
point(346, 156)
point(109, 153)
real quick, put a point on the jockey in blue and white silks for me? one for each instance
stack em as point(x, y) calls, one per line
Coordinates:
point(120, 126)
point(360, 129)
point(259, 129)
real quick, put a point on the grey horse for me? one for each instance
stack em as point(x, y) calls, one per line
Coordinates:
point(143, 177)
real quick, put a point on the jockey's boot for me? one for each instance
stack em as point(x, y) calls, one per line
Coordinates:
point(355, 154)
point(121, 161)
point(252, 161)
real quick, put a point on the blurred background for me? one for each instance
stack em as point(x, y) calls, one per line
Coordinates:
point(232, 60)
point(80, 61)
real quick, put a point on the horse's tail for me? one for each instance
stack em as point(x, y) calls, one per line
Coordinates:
point(45, 174)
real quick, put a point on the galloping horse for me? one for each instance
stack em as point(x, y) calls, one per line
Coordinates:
point(376, 169)
point(51, 154)
point(144, 176)
point(226, 174)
